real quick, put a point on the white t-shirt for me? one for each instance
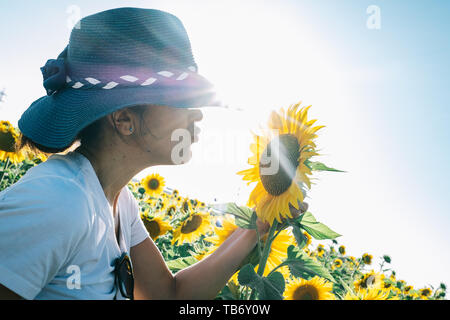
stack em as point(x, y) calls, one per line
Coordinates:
point(57, 237)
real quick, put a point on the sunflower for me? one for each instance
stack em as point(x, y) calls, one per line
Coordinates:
point(186, 205)
point(341, 250)
point(320, 250)
point(156, 226)
point(289, 139)
point(9, 137)
point(171, 209)
point(425, 292)
point(387, 285)
point(369, 294)
point(407, 289)
point(153, 184)
point(367, 258)
point(222, 233)
point(337, 263)
point(192, 228)
point(371, 279)
point(195, 203)
point(314, 289)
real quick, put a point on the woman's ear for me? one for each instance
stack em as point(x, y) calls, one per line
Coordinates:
point(123, 120)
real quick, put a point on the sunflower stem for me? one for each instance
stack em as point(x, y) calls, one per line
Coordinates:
point(278, 232)
point(356, 267)
point(284, 263)
point(266, 250)
point(265, 253)
point(5, 167)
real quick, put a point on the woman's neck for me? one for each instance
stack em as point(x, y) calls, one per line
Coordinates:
point(113, 170)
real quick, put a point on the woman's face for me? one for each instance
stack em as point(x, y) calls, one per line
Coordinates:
point(166, 133)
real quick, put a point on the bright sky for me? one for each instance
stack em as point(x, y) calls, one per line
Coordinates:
point(382, 94)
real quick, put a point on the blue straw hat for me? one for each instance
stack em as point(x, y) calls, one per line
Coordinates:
point(115, 59)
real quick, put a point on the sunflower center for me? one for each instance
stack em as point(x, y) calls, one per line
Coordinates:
point(306, 292)
point(171, 210)
point(192, 224)
point(7, 142)
point(153, 184)
point(426, 292)
point(185, 205)
point(153, 228)
point(286, 150)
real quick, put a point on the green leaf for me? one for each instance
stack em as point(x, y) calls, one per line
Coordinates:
point(301, 265)
point(267, 291)
point(318, 166)
point(228, 293)
point(276, 281)
point(247, 275)
point(346, 286)
point(270, 288)
point(316, 229)
point(244, 217)
point(181, 263)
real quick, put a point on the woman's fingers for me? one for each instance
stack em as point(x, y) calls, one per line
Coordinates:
point(302, 208)
point(263, 227)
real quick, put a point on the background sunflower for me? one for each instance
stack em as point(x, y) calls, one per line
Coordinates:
point(314, 289)
point(9, 137)
point(189, 230)
point(369, 294)
point(222, 233)
point(156, 226)
point(153, 184)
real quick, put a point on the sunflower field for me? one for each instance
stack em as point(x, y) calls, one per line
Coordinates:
point(285, 264)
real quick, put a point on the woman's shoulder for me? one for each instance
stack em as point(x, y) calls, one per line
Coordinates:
point(58, 175)
point(50, 189)
point(52, 176)
point(127, 200)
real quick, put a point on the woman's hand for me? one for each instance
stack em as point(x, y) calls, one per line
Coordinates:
point(263, 227)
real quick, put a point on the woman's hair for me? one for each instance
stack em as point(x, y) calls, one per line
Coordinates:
point(86, 136)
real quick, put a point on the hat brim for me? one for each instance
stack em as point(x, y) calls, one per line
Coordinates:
point(54, 121)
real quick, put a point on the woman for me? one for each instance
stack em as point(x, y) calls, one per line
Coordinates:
point(126, 81)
